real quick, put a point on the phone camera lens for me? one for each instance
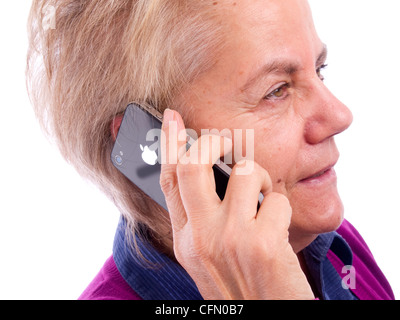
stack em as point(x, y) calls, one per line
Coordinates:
point(118, 160)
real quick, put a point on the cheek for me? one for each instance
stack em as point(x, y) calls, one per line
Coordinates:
point(277, 151)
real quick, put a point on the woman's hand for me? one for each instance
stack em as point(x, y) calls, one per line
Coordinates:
point(229, 249)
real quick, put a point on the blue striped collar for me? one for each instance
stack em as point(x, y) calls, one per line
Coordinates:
point(325, 276)
point(159, 279)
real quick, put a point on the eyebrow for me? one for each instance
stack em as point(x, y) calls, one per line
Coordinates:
point(282, 66)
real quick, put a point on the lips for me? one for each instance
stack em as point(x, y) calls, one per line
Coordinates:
point(319, 175)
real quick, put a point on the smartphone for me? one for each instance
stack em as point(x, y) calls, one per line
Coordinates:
point(137, 156)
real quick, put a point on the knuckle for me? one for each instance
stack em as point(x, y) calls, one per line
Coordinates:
point(200, 250)
point(168, 182)
point(259, 249)
point(180, 252)
point(249, 168)
point(279, 198)
point(185, 171)
point(246, 169)
point(204, 246)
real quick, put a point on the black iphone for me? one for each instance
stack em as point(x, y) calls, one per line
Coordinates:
point(136, 153)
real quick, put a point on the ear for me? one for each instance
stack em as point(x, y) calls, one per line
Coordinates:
point(114, 127)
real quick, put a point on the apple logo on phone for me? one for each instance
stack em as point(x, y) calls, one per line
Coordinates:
point(148, 156)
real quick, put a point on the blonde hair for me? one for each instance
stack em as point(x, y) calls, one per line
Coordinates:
point(95, 58)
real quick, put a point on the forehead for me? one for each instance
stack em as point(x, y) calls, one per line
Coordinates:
point(258, 33)
point(277, 24)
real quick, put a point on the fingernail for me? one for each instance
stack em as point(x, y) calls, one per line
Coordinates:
point(168, 116)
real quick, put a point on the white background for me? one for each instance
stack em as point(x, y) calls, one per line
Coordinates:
point(56, 230)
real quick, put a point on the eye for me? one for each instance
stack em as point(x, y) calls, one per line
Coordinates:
point(279, 93)
point(319, 72)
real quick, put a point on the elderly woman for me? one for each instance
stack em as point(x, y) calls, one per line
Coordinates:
point(206, 65)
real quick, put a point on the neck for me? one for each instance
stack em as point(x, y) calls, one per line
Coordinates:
point(298, 243)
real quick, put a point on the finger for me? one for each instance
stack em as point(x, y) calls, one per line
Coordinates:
point(171, 150)
point(196, 177)
point(275, 213)
point(246, 182)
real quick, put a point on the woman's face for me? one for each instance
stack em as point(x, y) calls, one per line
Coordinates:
point(269, 78)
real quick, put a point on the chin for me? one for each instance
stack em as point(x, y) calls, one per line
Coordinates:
point(314, 215)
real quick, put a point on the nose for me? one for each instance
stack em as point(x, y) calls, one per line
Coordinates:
point(326, 115)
